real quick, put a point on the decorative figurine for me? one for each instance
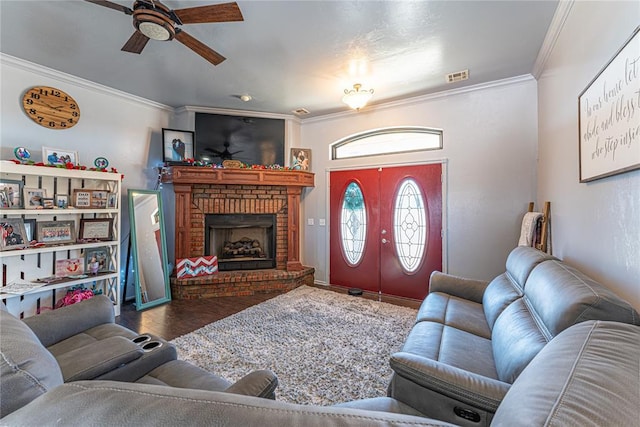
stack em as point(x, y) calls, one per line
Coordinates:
point(101, 162)
point(22, 154)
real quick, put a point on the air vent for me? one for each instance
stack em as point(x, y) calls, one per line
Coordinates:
point(300, 111)
point(457, 77)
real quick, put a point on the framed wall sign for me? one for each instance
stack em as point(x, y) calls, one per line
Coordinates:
point(96, 229)
point(609, 116)
point(56, 232)
point(177, 145)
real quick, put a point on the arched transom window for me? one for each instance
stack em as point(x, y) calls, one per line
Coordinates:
point(387, 141)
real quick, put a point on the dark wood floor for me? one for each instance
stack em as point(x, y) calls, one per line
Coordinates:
point(179, 317)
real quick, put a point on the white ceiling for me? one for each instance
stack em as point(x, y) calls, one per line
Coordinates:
point(286, 54)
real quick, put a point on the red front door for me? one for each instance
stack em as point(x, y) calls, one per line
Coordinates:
point(385, 229)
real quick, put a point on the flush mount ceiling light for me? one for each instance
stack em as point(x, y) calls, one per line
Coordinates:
point(246, 98)
point(357, 98)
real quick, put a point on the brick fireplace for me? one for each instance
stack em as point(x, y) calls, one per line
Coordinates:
point(202, 192)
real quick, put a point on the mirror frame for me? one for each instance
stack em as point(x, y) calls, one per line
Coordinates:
point(134, 248)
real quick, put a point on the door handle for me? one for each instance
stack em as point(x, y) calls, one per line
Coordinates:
point(385, 241)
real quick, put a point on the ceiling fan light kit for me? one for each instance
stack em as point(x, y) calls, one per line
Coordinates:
point(357, 97)
point(155, 21)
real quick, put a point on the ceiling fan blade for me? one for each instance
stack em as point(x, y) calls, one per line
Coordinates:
point(136, 43)
point(198, 47)
point(225, 12)
point(111, 5)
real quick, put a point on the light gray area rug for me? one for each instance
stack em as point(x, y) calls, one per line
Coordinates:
point(325, 347)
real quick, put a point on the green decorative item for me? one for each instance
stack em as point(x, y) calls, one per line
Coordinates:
point(22, 154)
point(101, 162)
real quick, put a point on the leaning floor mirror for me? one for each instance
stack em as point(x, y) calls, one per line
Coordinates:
point(149, 248)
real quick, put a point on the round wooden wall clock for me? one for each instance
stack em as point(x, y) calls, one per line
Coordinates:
point(51, 107)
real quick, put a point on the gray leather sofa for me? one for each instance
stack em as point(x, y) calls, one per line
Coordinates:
point(473, 339)
point(82, 342)
point(587, 376)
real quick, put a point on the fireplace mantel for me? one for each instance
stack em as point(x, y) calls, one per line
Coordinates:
point(202, 175)
point(185, 177)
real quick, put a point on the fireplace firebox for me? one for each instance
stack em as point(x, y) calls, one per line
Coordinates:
point(241, 241)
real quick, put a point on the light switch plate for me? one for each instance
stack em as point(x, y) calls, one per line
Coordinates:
point(310, 221)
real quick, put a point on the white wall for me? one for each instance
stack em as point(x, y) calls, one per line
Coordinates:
point(490, 144)
point(595, 226)
point(124, 129)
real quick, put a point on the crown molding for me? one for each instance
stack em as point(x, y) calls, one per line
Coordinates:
point(424, 98)
point(245, 113)
point(557, 23)
point(8, 60)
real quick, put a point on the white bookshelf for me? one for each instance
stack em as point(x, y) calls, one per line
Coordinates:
point(27, 265)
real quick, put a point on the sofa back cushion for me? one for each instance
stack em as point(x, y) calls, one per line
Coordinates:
point(586, 376)
point(561, 296)
point(27, 369)
point(556, 297)
point(509, 286)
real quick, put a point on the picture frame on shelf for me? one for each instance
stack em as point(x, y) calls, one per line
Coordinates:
point(11, 194)
point(12, 234)
point(90, 199)
point(69, 267)
point(56, 232)
point(300, 159)
point(177, 145)
point(30, 230)
point(112, 200)
point(62, 201)
point(97, 260)
point(48, 203)
point(59, 156)
point(33, 197)
point(96, 229)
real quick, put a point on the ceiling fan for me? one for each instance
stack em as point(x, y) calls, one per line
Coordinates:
point(153, 20)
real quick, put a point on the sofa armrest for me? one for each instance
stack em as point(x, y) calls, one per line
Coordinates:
point(481, 392)
point(98, 358)
point(469, 289)
point(261, 383)
point(56, 325)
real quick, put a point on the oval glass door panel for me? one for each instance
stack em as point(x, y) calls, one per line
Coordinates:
point(353, 224)
point(410, 225)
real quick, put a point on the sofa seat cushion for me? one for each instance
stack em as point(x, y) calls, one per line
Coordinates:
point(179, 373)
point(384, 404)
point(84, 339)
point(453, 347)
point(456, 312)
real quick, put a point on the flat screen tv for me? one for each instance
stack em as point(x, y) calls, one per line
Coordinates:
point(252, 140)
